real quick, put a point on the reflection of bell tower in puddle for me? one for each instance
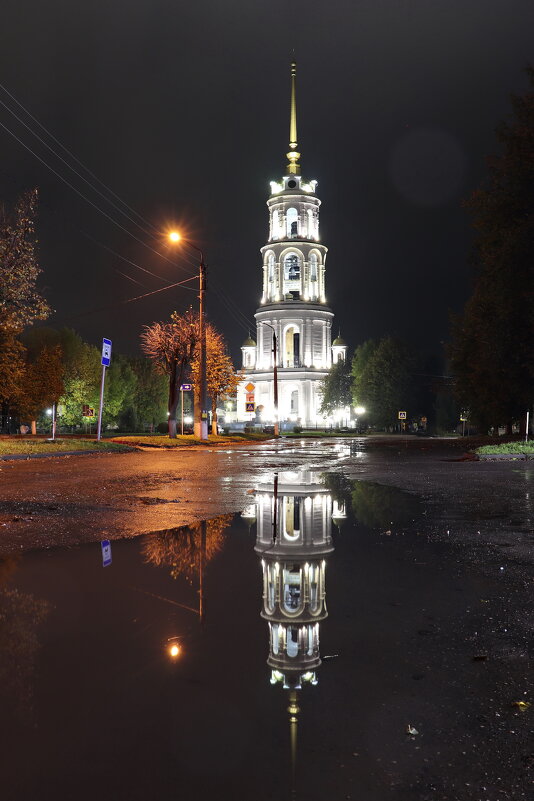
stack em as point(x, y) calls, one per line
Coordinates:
point(294, 537)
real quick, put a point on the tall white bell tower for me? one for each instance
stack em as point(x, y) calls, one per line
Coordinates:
point(293, 305)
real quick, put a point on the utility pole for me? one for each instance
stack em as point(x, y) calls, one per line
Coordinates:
point(276, 424)
point(201, 426)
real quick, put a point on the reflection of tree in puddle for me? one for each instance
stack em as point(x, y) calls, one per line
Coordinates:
point(375, 505)
point(20, 616)
point(185, 549)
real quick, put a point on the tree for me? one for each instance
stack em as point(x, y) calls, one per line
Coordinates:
point(383, 380)
point(492, 344)
point(42, 384)
point(172, 346)
point(20, 302)
point(221, 378)
point(336, 388)
point(150, 395)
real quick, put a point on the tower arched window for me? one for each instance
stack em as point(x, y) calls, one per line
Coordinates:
point(292, 222)
point(270, 267)
point(291, 267)
point(313, 266)
point(311, 225)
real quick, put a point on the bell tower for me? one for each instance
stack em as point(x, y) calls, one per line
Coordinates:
point(293, 302)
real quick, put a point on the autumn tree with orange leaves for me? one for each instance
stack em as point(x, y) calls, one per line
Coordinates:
point(175, 349)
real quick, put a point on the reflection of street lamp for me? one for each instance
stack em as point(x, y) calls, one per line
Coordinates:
point(201, 421)
point(276, 424)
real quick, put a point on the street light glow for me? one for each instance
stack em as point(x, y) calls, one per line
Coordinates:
point(174, 236)
point(360, 410)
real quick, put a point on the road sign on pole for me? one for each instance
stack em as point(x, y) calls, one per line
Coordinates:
point(106, 352)
point(106, 553)
point(250, 387)
point(186, 387)
point(402, 415)
point(250, 407)
point(106, 361)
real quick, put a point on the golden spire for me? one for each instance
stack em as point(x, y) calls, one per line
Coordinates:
point(293, 156)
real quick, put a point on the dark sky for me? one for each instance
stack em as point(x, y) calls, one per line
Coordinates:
point(182, 110)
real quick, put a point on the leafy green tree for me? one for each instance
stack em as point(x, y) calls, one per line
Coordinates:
point(336, 388)
point(42, 384)
point(150, 396)
point(119, 392)
point(383, 380)
point(492, 349)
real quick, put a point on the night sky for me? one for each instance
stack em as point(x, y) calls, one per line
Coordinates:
point(182, 110)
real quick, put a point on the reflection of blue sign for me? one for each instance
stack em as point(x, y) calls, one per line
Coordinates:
point(250, 407)
point(185, 387)
point(106, 352)
point(106, 553)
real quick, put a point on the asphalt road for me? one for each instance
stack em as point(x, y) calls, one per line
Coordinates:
point(439, 572)
point(67, 500)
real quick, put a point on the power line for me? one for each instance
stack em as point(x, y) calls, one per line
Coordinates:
point(74, 157)
point(84, 197)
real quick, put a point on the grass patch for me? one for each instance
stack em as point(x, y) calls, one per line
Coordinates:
point(508, 447)
point(164, 441)
point(13, 446)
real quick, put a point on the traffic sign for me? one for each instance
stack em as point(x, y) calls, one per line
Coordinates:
point(250, 407)
point(185, 387)
point(249, 398)
point(250, 387)
point(402, 415)
point(106, 352)
point(106, 553)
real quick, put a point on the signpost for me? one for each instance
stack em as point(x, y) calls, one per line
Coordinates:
point(250, 404)
point(105, 361)
point(106, 553)
point(184, 388)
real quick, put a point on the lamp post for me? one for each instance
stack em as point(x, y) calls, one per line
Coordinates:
point(201, 419)
point(276, 424)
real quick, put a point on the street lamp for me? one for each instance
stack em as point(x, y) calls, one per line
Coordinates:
point(276, 424)
point(201, 420)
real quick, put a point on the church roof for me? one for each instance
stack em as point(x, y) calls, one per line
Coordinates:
point(248, 343)
point(339, 341)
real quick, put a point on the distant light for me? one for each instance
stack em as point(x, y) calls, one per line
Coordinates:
point(174, 649)
point(359, 410)
point(49, 411)
point(174, 236)
point(188, 419)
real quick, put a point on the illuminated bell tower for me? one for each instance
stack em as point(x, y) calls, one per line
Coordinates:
point(293, 301)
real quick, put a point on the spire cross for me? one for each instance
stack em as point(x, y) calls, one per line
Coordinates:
point(293, 156)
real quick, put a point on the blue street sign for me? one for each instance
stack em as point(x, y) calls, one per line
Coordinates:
point(106, 352)
point(106, 553)
point(250, 407)
point(186, 387)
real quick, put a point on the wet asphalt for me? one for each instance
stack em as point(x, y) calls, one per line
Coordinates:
point(440, 630)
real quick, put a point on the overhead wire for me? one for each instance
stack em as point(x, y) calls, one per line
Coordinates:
point(184, 257)
point(74, 157)
point(232, 308)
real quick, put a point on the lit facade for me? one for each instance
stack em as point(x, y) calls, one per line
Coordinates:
point(293, 303)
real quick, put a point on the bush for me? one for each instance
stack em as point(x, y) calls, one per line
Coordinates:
point(162, 428)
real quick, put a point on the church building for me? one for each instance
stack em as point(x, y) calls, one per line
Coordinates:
point(294, 320)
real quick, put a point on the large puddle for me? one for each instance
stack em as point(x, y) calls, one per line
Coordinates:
point(317, 646)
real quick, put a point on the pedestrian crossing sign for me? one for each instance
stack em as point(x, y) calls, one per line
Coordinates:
point(250, 407)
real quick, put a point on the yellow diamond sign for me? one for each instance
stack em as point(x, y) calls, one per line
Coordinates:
point(249, 387)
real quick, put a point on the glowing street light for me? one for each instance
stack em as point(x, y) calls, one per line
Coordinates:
point(359, 410)
point(201, 420)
